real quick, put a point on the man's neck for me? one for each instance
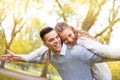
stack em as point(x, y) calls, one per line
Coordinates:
point(56, 53)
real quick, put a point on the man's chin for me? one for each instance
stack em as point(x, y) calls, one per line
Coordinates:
point(58, 49)
point(70, 45)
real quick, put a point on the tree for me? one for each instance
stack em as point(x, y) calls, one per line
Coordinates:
point(93, 12)
point(18, 13)
point(113, 19)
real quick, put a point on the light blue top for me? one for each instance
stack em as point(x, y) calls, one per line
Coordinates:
point(74, 64)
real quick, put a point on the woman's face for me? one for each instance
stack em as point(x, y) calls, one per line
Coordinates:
point(68, 36)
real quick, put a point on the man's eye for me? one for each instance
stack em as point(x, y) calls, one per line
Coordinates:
point(69, 35)
point(51, 40)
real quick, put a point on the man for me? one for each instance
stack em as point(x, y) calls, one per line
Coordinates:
point(72, 64)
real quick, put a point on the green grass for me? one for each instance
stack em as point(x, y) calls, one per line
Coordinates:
point(4, 77)
point(35, 72)
point(115, 70)
point(114, 67)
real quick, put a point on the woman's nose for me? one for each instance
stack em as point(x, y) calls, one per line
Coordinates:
point(69, 39)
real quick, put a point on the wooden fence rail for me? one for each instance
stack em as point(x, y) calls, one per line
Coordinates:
point(18, 75)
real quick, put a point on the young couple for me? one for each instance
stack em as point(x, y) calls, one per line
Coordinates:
point(78, 59)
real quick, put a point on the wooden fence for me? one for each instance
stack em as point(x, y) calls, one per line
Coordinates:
point(18, 75)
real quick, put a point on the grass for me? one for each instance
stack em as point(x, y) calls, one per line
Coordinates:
point(114, 67)
point(34, 72)
point(4, 77)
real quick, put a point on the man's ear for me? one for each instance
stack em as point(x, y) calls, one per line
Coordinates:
point(45, 44)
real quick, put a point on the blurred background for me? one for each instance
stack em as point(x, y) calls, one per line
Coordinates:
point(21, 21)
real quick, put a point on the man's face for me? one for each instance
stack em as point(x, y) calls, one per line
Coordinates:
point(53, 41)
point(68, 36)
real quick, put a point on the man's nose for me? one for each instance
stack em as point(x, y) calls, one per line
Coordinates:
point(56, 40)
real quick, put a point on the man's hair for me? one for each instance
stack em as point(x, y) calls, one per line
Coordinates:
point(44, 31)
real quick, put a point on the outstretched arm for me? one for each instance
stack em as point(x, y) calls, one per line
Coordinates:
point(98, 48)
point(25, 57)
point(12, 57)
point(36, 53)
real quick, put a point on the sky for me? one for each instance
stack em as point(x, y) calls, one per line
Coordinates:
point(115, 38)
point(51, 20)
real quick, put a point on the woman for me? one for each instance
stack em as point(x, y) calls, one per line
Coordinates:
point(84, 39)
point(70, 36)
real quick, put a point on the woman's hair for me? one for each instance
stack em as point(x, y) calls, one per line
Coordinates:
point(62, 26)
point(84, 33)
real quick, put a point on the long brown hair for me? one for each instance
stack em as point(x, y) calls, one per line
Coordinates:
point(84, 33)
point(62, 26)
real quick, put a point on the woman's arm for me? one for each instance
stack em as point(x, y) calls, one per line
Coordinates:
point(24, 57)
point(36, 53)
point(98, 48)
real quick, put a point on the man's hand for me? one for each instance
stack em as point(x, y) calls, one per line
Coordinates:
point(11, 57)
